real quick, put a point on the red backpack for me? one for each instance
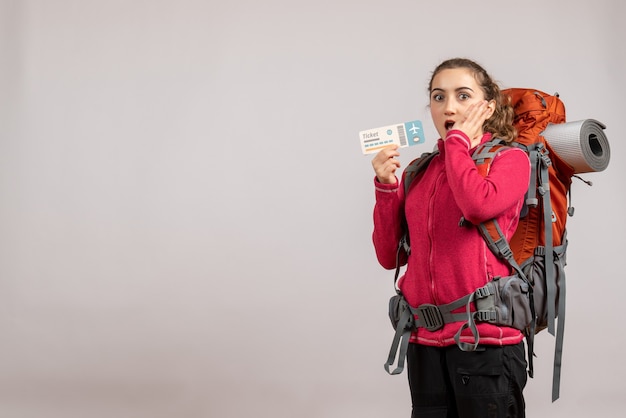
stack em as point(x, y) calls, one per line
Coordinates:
point(540, 242)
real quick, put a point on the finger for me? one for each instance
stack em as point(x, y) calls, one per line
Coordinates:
point(476, 114)
point(475, 110)
point(388, 175)
point(387, 153)
point(391, 151)
point(385, 165)
point(385, 170)
point(393, 161)
point(389, 172)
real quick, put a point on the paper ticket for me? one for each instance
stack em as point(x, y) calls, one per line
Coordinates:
point(402, 134)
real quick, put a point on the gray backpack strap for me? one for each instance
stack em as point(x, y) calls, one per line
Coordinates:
point(401, 338)
point(487, 151)
point(531, 195)
point(471, 324)
point(557, 271)
point(415, 167)
point(497, 243)
point(558, 346)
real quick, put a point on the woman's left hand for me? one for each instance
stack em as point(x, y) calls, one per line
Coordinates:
point(472, 124)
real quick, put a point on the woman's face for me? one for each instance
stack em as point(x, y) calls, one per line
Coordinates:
point(453, 91)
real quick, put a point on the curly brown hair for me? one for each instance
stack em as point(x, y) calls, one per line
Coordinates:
point(500, 124)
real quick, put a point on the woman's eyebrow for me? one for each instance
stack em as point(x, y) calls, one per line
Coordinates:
point(457, 89)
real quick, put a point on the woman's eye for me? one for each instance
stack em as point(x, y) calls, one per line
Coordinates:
point(437, 97)
point(464, 96)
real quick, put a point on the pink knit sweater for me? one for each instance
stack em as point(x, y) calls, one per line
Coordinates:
point(449, 261)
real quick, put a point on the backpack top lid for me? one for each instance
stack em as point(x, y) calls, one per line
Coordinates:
point(534, 111)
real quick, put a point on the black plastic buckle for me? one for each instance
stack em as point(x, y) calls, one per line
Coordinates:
point(483, 292)
point(430, 317)
point(485, 316)
point(545, 159)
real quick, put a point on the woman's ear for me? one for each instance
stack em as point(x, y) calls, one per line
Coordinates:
point(492, 108)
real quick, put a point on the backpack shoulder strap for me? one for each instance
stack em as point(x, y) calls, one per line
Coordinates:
point(415, 167)
point(485, 153)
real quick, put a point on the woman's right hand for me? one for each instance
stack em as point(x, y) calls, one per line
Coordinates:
point(385, 164)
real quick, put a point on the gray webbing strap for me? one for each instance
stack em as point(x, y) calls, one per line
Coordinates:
point(415, 168)
point(401, 339)
point(531, 196)
point(433, 317)
point(471, 324)
point(544, 190)
point(558, 345)
point(486, 151)
point(499, 245)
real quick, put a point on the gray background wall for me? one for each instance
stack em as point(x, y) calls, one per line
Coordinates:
point(185, 214)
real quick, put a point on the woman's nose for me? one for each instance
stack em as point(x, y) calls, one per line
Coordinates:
point(449, 107)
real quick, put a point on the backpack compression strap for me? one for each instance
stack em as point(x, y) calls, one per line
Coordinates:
point(404, 328)
point(558, 346)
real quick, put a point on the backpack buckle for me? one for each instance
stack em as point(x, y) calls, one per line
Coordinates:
point(483, 292)
point(485, 316)
point(430, 317)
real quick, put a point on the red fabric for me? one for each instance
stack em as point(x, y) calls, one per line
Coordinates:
point(449, 261)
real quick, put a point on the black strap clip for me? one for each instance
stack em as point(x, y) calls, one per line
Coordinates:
point(430, 317)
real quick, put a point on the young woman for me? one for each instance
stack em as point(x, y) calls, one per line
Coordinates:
point(449, 260)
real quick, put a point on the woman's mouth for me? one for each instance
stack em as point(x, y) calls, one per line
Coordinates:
point(449, 124)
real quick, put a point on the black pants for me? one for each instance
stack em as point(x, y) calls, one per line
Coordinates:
point(450, 383)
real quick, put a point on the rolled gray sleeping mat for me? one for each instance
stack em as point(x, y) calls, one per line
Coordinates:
point(581, 144)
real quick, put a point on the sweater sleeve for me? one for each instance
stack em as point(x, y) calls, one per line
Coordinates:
point(387, 223)
point(482, 198)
